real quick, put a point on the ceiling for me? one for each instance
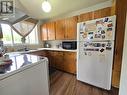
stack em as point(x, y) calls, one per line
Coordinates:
point(59, 7)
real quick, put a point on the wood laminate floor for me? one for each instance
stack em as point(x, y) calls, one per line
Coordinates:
point(62, 83)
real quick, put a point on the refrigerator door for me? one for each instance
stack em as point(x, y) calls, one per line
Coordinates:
point(98, 29)
point(95, 63)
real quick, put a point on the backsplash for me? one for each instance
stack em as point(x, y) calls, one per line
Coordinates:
point(19, 47)
point(54, 44)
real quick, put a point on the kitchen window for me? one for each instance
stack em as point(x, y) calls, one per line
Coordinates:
point(10, 37)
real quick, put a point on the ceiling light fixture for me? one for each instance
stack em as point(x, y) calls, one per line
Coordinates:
point(46, 6)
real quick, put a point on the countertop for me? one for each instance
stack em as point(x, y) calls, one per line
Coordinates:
point(57, 49)
point(20, 62)
point(39, 49)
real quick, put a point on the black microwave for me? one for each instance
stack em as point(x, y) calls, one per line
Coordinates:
point(71, 45)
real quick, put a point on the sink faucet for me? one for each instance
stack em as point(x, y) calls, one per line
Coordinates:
point(24, 48)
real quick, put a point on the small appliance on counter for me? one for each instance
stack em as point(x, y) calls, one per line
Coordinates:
point(47, 45)
point(71, 45)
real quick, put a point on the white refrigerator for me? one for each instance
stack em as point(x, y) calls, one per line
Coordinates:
point(95, 51)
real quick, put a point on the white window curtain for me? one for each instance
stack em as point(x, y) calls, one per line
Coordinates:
point(24, 27)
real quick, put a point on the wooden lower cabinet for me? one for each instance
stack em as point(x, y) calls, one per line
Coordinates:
point(62, 60)
point(57, 61)
point(65, 61)
point(69, 62)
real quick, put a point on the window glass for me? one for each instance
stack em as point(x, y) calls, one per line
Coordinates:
point(17, 37)
point(7, 34)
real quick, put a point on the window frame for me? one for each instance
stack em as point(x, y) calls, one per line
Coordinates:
point(16, 44)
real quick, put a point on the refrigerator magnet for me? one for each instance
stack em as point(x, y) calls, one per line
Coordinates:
point(101, 50)
point(109, 29)
point(96, 49)
point(110, 25)
point(106, 19)
point(102, 31)
point(81, 32)
point(97, 35)
point(90, 33)
point(103, 45)
point(84, 35)
point(109, 33)
point(103, 36)
point(108, 48)
point(91, 37)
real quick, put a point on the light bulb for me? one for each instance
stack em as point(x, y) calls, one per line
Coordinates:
point(46, 6)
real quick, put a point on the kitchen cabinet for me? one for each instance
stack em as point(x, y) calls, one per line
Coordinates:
point(66, 29)
point(65, 61)
point(71, 28)
point(85, 17)
point(60, 29)
point(51, 30)
point(69, 62)
point(58, 60)
point(96, 14)
point(48, 31)
point(62, 60)
point(44, 33)
point(102, 13)
point(50, 56)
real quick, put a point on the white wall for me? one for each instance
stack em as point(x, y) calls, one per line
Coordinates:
point(123, 81)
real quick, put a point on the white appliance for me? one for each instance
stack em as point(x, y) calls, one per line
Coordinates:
point(95, 51)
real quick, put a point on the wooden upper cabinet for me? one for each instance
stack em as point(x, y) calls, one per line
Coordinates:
point(85, 17)
point(102, 13)
point(71, 28)
point(48, 31)
point(44, 33)
point(51, 30)
point(60, 29)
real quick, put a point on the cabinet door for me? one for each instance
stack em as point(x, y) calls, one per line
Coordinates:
point(58, 60)
point(70, 62)
point(71, 28)
point(102, 13)
point(51, 30)
point(44, 32)
point(60, 29)
point(50, 56)
point(85, 16)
